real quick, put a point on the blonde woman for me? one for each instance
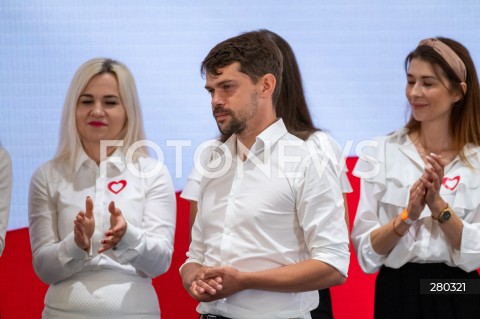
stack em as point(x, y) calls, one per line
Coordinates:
point(102, 218)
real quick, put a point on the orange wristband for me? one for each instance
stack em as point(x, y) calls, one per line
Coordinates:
point(405, 217)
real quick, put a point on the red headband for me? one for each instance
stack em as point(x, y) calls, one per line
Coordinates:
point(452, 59)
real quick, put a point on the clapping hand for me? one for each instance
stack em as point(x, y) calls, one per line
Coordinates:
point(84, 226)
point(432, 179)
point(118, 228)
point(416, 203)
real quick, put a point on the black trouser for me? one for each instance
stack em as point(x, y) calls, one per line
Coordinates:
point(209, 316)
point(324, 309)
point(397, 293)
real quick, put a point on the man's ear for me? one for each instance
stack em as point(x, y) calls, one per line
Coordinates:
point(268, 83)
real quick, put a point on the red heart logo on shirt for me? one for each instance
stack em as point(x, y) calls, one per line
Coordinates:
point(451, 183)
point(117, 187)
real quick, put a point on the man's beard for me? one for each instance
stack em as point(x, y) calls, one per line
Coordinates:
point(237, 125)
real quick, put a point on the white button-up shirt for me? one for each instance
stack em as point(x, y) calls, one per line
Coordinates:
point(393, 167)
point(325, 143)
point(278, 207)
point(5, 194)
point(147, 204)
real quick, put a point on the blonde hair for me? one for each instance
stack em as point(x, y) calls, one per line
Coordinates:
point(69, 144)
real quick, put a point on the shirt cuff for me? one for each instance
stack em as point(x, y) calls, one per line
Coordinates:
point(72, 251)
point(467, 257)
point(130, 240)
point(368, 259)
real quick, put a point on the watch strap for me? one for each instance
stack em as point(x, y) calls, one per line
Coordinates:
point(440, 218)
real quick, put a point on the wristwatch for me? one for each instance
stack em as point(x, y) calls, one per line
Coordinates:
point(444, 215)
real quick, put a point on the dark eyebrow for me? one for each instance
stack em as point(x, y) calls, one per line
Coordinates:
point(424, 77)
point(221, 83)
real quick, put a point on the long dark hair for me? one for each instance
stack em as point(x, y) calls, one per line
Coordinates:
point(292, 106)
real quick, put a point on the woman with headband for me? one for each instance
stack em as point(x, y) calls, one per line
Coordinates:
point(418, 219)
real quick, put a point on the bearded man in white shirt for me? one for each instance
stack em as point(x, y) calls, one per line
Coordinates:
point(270, 227)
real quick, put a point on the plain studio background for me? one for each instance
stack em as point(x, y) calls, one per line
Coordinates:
point(350, 53)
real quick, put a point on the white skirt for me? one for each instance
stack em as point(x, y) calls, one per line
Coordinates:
point(102, 294)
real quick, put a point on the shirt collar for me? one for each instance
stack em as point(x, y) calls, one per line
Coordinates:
point(117, 160)
point(270, 135)
point(407, 147)
point(471, 150)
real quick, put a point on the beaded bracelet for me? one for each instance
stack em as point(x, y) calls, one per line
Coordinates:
point(395, 231)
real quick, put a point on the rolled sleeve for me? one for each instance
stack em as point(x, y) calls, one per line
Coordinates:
point(191, 190)
point(196, 251)
point(366, 221)
point(321, 214)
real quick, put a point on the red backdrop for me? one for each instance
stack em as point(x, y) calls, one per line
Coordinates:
point(22, 293)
